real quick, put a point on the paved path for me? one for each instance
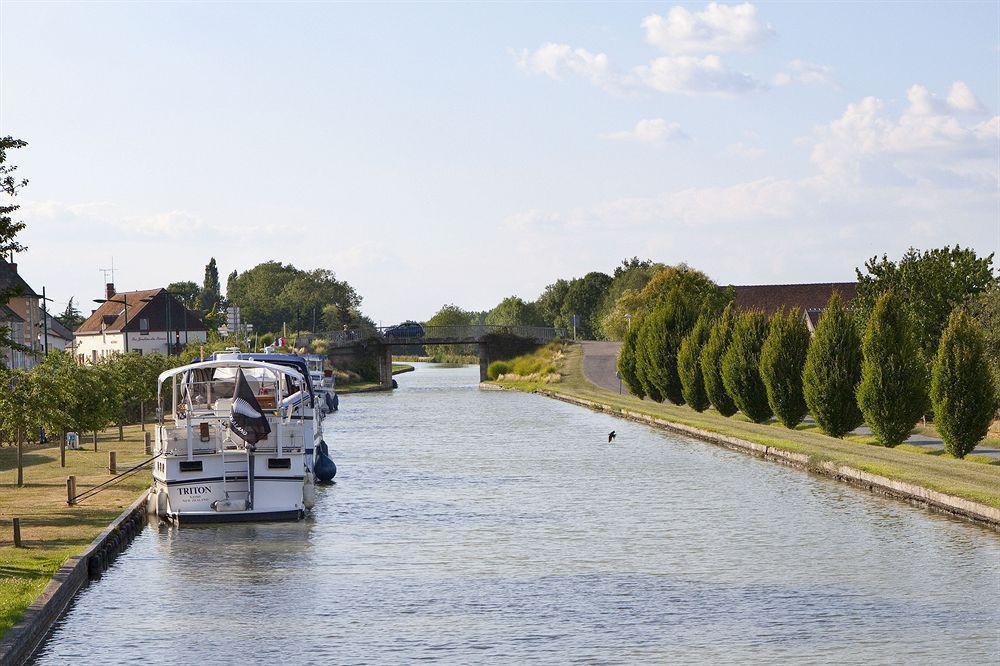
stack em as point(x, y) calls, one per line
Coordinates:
point(600, 365)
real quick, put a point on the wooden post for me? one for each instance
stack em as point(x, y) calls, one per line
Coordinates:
point(71, 490)
point(62, 452)
point(121, 433)
point(95, 441)
point(149, 445)
point(17, 533)
point(142, 414)
point(112, 467)
point(20, 453)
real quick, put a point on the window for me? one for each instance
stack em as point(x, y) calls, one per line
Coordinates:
point(144, 326)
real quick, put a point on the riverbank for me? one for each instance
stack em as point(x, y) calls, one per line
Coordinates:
point(976, 481)
point(51, 531)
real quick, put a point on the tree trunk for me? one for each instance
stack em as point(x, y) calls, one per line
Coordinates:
point(121, 433)
point(142, 415)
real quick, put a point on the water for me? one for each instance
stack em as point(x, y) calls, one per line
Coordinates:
point(473, 526)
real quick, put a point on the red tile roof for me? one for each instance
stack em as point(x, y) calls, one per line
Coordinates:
point(110, 316)
point(807, 297)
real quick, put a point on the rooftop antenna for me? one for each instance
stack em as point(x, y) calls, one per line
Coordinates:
point(109, 271)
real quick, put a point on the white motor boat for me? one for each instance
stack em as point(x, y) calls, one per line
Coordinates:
point(204, 471)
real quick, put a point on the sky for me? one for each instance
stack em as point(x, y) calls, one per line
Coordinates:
point(462, 153)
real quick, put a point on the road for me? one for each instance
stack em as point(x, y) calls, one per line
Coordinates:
point(599, 366)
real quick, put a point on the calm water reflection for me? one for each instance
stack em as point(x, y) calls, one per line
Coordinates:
point(471, 526)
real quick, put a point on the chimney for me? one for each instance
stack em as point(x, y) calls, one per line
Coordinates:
point(109, 290)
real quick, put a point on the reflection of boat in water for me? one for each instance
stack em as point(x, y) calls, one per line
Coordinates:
point(208, 467)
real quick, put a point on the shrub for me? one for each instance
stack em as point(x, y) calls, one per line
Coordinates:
point(781, 361)
point(741, 366)
point(626, 363)
point(689, 364)
point(892, 394)
point(963, 391)
point(497, 368)
point(645, 365)
point(833, 370)
point(711, 363)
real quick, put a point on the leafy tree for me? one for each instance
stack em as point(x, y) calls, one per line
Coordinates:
point(631, 276)
point(963, 390)
point(186, 292)
point(583, 299)
point(892, 394)
point(210, 294)
point(450, 315)
point(627, 363)
point(741, 365)
point(689, 364)
point(71, 317)
point(9, 228)
point(782, 360)
point(646, 356)
point(550, 303)
point(512, 311)
point(615, 320)
point(715, 348)
point(984, 308)
point(930, 284)
point(833, 370)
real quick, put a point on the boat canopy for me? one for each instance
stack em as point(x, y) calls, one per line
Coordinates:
point(233, 363)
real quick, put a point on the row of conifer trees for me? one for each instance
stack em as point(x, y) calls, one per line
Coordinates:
point(689, 351)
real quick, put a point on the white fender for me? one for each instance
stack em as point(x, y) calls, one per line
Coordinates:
point(162, 504)
point(151, 502)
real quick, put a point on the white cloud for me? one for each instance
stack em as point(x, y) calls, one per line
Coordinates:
point(806, 73)
point(557, 61)
point(744, 150)
point(650, 130)
point(931, 139)
point(691, 75)
point(716, 29)
point(961, 98)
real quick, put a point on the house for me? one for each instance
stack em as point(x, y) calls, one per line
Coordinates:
point(58, 336)
point(146, 321)
point(811, 299)
point(22, 315)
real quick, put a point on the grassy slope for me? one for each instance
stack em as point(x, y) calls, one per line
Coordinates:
point(51, 531)
point(965, 478)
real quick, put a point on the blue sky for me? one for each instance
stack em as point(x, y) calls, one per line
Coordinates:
point(432, 153)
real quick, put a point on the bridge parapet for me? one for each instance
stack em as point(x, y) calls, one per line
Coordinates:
point(414, 334)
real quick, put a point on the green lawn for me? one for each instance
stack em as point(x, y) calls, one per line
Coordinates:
point(977, 479)
point(51, 531)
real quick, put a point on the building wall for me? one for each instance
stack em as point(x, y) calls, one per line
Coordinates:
point(27, 334)
point(102, 345)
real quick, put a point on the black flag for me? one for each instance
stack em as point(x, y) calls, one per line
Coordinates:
point(247, 419)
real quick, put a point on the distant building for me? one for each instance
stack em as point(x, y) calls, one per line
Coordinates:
point(22, 315)
point(811, 299)
point(59, 337)
point(152, 321)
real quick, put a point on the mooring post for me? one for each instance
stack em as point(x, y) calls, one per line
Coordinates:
point(112, 467)
point(149, 445)
point(17, 533)
point(62, 452)
point(71, 490)
point(20, 453)
point(95, 440)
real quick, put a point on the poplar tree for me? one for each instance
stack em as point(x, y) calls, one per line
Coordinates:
point(892, 394)
point(833, 370)
point(963, 390)
point(651, 341)
point(689, 364)
point(741, 365)
point(711, 363)
point(626, 363)
point(781, 362)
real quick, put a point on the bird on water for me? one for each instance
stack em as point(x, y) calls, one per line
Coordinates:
point(611, 436)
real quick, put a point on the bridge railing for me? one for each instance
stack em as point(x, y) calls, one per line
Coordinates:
point(415, 334)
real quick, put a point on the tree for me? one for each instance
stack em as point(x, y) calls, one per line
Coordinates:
point(450, 315)
point(963, 390)
point(186, 292)
point(929, 285)
point(627, 363)
point(512, 311)
point(631, 276)
point(583, 299)
point(892, 394)
point(741, 365)
point(984, 309)
point(210, 294)
point(782, 360)
point(646, 367)
point(689, 364)
point(550, 303)
point(9, 228)
point(715, 348)
point(71, 317)
point(833, 370)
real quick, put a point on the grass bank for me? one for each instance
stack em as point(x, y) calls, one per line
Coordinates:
point(400, 368)
point(51, 531)
point(976, 479)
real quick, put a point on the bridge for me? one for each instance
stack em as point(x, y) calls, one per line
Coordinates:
point(493, 342)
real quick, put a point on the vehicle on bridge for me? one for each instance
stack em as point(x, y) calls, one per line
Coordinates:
point(408, 330)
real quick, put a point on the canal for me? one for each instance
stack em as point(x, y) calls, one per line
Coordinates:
point(472, 526)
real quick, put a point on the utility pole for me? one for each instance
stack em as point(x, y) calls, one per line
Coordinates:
point(45, 321)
